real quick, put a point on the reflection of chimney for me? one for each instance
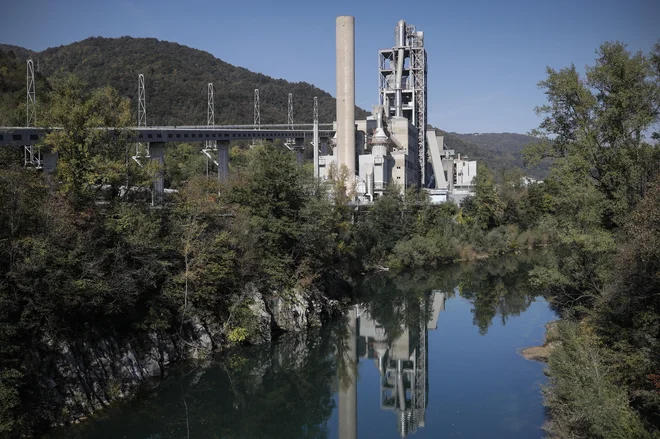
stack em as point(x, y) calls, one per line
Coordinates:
point(347, 395)
point(345, 40)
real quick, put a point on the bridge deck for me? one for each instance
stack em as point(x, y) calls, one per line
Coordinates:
point(19, 136)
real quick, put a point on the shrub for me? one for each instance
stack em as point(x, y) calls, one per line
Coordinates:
point(582, 399)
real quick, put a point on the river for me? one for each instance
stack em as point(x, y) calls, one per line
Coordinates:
point(426, 355)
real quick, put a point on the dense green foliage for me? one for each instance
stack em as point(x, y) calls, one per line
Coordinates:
point(604, 191)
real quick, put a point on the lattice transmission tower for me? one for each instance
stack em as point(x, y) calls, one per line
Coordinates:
point(290, 142)
point(257, 110)
point(289, 119)
point(211, 146)
point(32, 153)
point(141, 149)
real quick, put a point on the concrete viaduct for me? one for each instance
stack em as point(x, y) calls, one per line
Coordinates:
point(157, 138)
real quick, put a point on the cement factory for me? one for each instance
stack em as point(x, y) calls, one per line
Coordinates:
point(393, 146)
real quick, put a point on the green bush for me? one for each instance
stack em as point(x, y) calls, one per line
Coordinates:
point(582, 399)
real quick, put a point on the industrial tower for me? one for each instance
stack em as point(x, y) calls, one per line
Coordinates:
point(402, 73)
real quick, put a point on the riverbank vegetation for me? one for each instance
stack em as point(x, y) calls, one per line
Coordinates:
point(604, 275)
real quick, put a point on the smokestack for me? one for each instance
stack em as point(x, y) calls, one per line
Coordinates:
point(346, 92)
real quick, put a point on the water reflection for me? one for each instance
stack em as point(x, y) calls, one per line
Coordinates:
point(399, 352)
point(391, 327)
point(293, 387)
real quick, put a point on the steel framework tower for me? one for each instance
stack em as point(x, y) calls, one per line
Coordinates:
point(257, 110)
point(141, 149)
point(32, 154)
point(402, 83)
point(211, 146)
point(289, 119)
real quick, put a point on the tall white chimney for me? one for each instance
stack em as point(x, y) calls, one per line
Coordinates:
point(346, 92)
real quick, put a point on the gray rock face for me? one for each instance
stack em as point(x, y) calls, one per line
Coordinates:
point(257, 305)
point(86, 376)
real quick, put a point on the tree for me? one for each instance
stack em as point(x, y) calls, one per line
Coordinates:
point(88, 155)
point(488, 207)
point(594, 126)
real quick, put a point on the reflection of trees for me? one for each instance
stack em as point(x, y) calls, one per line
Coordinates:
point(283, 390)
point(497, 287)
point(500, 287)
point(395, 301)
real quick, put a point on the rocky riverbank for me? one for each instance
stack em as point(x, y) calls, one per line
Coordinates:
point(542, 353)
point(85, 376)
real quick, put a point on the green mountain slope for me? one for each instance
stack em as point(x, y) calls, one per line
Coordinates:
point(498, 150)
point(176, 79)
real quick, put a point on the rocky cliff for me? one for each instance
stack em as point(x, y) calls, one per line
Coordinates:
point(85, 376)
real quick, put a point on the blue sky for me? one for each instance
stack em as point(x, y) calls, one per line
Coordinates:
point(485, 58)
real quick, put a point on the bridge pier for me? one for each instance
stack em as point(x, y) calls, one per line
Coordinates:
point(157, 154)
point(49, 162)
point(223, 160)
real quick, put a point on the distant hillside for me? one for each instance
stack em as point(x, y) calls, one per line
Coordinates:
point(498, 150)
point(176, 79)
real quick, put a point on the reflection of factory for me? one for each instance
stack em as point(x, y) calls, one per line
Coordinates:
point(401, 359)
point(393, 146)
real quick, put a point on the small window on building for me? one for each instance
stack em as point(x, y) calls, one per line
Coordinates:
point(149, 136)
point(185, 136)
point(178, 136)
point(34, 137)
point(159, 136)
point(169, 135)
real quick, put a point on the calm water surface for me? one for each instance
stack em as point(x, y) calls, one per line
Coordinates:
point(430, 354)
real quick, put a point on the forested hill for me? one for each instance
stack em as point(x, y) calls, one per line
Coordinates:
point(499, 151)
point(176, 79)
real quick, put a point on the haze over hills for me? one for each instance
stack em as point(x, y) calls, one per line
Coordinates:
point(176, 80)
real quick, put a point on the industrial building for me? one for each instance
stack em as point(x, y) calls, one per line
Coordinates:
point(393, 146)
